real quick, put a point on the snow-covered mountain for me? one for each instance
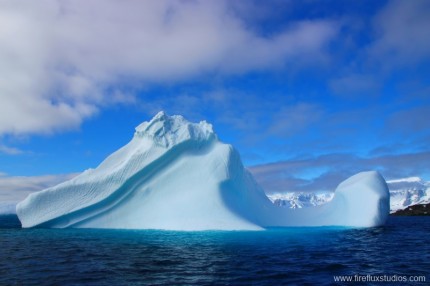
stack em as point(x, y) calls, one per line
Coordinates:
point(177, 175)
point(407, 192)
point(301, 200)
point(403, 193)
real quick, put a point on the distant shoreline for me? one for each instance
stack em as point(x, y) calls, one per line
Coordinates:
point(415, 210)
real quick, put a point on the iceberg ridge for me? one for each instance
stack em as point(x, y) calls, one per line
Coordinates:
point(168, 131)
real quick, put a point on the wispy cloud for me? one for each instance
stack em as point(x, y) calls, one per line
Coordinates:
point(290, 119)
point(324, 173)
point(390, 45)
point(10, 150)
point(410, 120)
point(355, 86)
point(402, 33)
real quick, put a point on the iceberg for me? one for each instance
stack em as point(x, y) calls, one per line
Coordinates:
point(177, 175)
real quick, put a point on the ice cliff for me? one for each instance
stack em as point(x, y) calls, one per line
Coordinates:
point(177, 175)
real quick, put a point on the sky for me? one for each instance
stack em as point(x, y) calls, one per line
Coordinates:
point(309, 92)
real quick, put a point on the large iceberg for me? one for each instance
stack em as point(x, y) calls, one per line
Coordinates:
point(177, 175)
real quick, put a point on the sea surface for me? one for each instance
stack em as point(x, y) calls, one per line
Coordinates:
point(285, 256)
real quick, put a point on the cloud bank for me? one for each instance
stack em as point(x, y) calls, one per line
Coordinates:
point(62, 61)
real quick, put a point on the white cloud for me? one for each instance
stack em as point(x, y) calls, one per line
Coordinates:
point(62, 59)
point(16, 188)
point(10, 150)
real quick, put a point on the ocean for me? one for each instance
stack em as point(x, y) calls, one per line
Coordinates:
point(286, 256)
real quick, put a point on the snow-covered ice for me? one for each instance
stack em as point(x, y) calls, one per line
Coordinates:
point(177, 175)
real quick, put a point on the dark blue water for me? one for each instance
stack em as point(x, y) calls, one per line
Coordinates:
point(274, 257)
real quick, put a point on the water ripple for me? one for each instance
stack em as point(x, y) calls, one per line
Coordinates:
point(305, 256)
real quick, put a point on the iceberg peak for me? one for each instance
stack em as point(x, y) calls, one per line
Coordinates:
point(167, 131)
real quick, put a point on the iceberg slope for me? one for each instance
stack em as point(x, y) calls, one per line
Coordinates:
point(177, 175)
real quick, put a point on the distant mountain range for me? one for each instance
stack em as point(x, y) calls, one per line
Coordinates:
point(404, 193)
point(408, 192)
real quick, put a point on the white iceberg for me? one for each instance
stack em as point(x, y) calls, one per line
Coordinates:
point(177, 175)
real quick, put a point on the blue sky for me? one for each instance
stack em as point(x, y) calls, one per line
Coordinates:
point(309, 92)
